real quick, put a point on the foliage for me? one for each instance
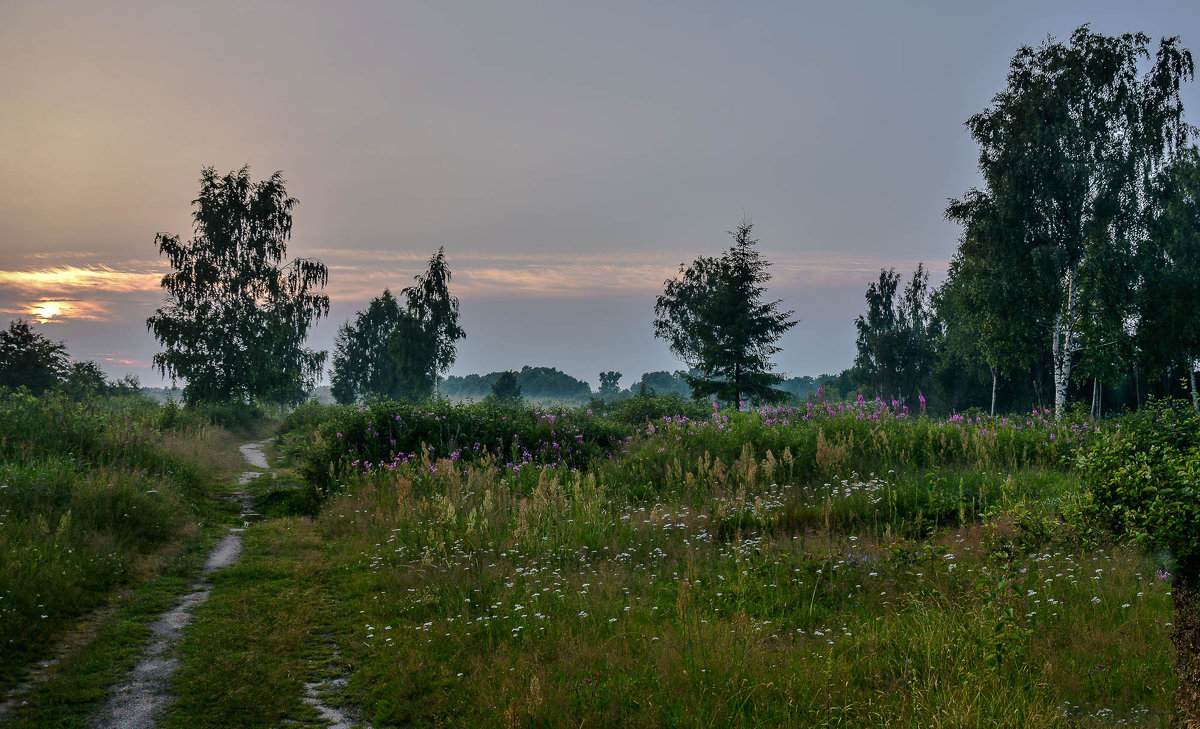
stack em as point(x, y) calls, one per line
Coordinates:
point(336, 441)
point(1144, 478)
point(896, 336)
point(394, 352)
point(361, 361)
point(665, 383)
point(713, 318)
point(236, 315)
point(86, 490)
point(651, 407)
point(412, 350)
point(1168, 301)
point(610, 384)
point(1067, 150)
point(30, 359)
point(430, 303)
point(505, 388)
point(541, 384)
point(83, 380)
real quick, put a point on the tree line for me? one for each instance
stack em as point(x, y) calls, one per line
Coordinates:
point(1078, 264)
point(30, 360)
point(1078, 268)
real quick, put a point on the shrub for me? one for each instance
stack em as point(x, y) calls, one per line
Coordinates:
point(1144, 478)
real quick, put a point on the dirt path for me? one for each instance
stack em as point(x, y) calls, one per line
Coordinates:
point(136, 703)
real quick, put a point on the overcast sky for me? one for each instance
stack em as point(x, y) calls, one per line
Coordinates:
point(569, 156)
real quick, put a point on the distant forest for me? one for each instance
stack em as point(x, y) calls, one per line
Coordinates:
point(551, 385)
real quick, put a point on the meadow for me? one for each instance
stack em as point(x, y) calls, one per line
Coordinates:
point(668, 563)
point(826, 565)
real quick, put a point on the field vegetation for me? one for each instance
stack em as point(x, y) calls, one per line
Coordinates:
point(663, 563)
point(99, 497)
point(821, 566)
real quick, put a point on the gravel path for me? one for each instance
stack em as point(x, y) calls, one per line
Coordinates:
point(136, 703)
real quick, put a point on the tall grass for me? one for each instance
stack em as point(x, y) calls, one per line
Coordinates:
point(86, 490)
point(839, 568)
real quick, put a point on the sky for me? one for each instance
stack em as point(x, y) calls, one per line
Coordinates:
point(568, 156)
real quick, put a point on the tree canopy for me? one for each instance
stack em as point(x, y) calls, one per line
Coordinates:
point(236, 314)
point(505, 388)
point(714, 319)
point(362, 360)
point(896, 335)
point(1068, 151)
point(398, 352)
point(610, 384)
point(430, 303)
point(28, 358)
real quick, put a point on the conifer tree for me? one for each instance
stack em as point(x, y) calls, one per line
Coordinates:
point(714, 319)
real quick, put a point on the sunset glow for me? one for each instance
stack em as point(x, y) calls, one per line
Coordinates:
point(67, 278)
point(46, 311)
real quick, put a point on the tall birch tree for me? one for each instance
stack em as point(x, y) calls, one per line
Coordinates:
point(1168, 300)
point(1068, 151)
point(236, 312)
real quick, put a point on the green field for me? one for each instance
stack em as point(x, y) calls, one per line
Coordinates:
point(664, 564)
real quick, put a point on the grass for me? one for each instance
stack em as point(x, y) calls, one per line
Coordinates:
point(105, 512)
point(93, 663)
point(248, 653)
point(824, 567)
point(838, 568)
point(643, 615)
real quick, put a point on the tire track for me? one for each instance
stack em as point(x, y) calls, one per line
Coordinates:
point(136, 703)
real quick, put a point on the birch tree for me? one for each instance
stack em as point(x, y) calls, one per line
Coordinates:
point(896, 335)
point(1167, 331)
point(1067, 153)
point(236, 315)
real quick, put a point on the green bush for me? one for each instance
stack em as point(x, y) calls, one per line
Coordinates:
point(1144, 477)
point(332, 441)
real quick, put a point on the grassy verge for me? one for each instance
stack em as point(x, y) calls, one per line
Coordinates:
point(256, 641)
point(106, 510)
point(81, 681)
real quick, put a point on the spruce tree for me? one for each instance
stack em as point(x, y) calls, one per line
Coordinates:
point(714, 319)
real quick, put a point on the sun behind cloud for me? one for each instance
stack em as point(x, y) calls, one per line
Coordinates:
point(48, 311)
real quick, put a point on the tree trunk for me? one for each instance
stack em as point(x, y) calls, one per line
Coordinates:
point(737, 387)
point(1064, 345)
point(1185, 634)
point(1195, 397)
point(993, 412)
point(1095, 397)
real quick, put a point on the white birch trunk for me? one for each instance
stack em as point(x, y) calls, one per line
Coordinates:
point(993, 412)
point(1192, 380)
point(1064, 344)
